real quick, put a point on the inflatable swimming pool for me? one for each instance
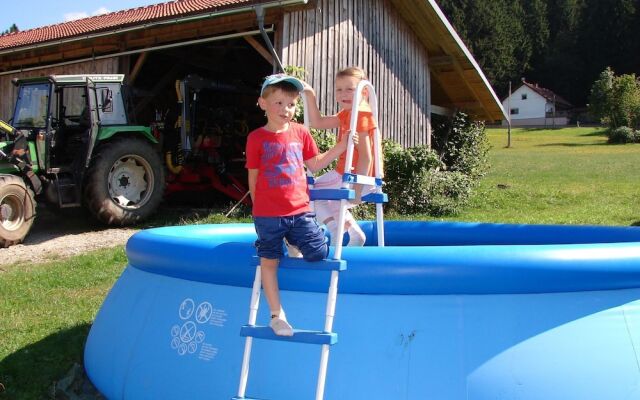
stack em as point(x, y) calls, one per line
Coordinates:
point(444, 311)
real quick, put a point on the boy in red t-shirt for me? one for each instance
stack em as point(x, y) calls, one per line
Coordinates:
point(276, 156)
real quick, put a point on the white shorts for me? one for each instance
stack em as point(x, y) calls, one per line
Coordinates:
point(325, 209)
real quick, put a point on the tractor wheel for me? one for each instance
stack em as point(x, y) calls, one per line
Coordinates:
point(17, 210)
point(125, 181)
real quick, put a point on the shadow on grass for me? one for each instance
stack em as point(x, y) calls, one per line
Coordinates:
point(602, 132)
point(189, 207)
point(540, 128)
point(572, 144)
point(33, 372)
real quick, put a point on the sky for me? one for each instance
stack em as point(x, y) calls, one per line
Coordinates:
point(29, 14)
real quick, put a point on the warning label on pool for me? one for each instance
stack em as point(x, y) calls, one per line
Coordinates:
point(193, 331)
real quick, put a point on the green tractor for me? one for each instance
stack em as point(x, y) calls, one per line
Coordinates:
point(70, 144)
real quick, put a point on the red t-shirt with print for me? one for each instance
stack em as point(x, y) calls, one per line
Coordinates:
point(281, 187)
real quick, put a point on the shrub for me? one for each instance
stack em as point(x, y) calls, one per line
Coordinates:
point(437, 182)
point(423, 180)
point(401, 164)
point(623, 134)
point(615, 100)
point(324, 140)
point(431, 192)
point(462, 144)
point(449, 192)
point(299, 73)
point(416, 183)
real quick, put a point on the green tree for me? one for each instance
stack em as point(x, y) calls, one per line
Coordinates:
point(561, 44)
point(600, 98)
point(604, 38)
point(563, 16)
point(495, 33)
point(12, 28)
point(616, 99)
point(560, 66)
point(536, 27)
point(626, 101)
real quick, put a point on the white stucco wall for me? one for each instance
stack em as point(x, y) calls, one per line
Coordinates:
point(533, 107)
point(539, 122)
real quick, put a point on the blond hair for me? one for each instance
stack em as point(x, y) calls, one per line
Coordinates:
point(354, 72)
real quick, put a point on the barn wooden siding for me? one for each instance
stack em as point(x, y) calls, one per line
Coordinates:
point(8, 92)
point(370, 34)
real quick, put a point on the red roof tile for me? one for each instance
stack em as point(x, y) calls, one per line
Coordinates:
point(547, 94)
point(118, 19)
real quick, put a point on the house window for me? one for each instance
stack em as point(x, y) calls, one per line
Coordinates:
point(524, 96)
point(515, 111)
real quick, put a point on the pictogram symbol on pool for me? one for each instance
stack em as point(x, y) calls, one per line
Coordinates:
point(189, 333)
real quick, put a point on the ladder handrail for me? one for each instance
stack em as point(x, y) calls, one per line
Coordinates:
point(307, 124)
point(333, 286)
point(254, 303)
point(377, 146)
point(353, 125)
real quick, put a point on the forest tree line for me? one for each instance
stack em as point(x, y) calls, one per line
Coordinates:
point(13, 28)
point(563, 45)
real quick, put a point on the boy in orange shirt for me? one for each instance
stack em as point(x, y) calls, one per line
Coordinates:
point(327, 211)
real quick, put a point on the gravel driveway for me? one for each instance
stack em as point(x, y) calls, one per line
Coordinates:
point(70, 232)
point(56, 236)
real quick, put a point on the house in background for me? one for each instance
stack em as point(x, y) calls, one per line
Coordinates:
point(415, 59)
point(532, 105)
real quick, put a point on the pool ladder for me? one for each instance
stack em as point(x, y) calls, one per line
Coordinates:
point(326, 337)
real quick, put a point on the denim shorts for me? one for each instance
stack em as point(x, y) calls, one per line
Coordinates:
point(300, 230)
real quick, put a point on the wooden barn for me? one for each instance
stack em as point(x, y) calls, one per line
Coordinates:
point(413, 56)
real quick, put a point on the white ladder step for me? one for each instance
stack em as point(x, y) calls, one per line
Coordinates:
point(362, 179)
point(300, 263)
point(299, 335)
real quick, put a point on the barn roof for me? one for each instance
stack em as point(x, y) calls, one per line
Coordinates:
point(118, 20)
point(458, 82)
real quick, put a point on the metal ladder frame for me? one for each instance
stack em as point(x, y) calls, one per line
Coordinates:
point(333, 286)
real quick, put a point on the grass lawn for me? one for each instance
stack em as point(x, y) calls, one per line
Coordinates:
point(46, 311)
point(568, 176)
point(564, 176)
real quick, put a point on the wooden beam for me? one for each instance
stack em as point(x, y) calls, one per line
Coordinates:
point(136, 68)
point(260, 49)
point(439, 61)
point(447, 112)
point(160, 85)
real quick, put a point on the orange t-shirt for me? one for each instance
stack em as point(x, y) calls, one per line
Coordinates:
point(365, 123)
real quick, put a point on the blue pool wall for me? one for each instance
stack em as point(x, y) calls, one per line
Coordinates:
point(445, 311)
